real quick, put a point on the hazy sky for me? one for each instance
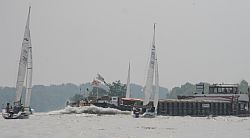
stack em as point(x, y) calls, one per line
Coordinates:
point(196, 40)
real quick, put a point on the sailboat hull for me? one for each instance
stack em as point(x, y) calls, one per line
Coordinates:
point(143, 112)
point(149, 115)
point(19, 115)
point(144, 115)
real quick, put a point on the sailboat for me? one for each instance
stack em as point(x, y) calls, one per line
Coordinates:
point(151, 93)
point(20, 111)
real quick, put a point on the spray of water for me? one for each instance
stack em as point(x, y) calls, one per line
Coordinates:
point(88, 109)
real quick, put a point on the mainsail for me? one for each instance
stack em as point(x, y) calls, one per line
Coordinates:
point(156, 96)
point(23, 60)
point(29, 77)
point(150, 75)
point(128, 83)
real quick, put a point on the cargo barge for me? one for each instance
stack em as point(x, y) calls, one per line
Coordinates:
point(222, 100)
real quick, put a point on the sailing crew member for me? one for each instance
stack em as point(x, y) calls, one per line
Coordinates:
point(152, 109)
point(8, 107)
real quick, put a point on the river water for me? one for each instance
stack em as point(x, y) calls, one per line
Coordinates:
point(81, 125)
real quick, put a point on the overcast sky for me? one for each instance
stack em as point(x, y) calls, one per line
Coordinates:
point(196, 40)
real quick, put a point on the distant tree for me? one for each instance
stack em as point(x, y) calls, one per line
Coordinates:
point(243, 87)
point(98, 91)
point(185, 90)
point(117, 89)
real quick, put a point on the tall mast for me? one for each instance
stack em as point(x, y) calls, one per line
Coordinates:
point(28, 19)
point(156, 91)
point(154, 35)
point(128, 83)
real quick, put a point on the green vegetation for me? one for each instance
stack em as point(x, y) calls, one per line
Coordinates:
point(117, 89)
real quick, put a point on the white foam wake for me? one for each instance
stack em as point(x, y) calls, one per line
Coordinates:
point(88, 109)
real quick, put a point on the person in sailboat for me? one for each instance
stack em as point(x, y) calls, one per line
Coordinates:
point(136, 112)
point(22, 108)
point(152, 110)
point(7, 108)
point(17, 107)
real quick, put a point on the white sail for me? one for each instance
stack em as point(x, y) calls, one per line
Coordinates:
point(150, 75)
point(23, 60)
point(156, 96)
point(128, 83)
point(29, 77)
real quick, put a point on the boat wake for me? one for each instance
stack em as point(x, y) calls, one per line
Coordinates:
point(88, 109)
